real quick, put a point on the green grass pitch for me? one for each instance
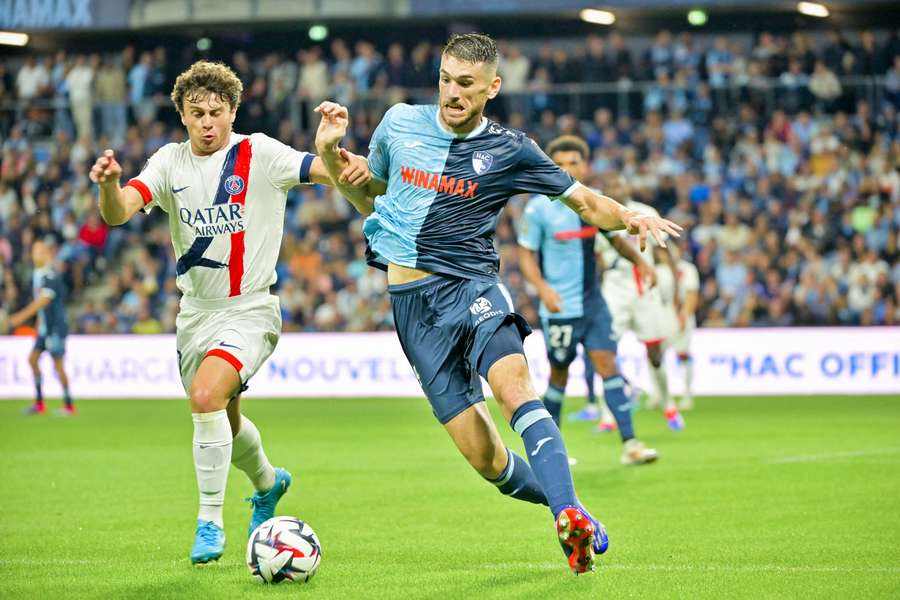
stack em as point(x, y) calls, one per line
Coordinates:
point(758, 498)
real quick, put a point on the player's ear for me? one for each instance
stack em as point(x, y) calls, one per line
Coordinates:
point(494, 88)
point(233, 114)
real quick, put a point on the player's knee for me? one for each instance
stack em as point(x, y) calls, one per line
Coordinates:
point(605, 364)
point(559, 376)
point(204, 400)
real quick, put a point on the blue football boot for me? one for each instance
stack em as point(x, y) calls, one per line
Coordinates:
point(264, 503)
point(209, 543)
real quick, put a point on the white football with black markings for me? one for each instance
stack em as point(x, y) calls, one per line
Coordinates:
point(283, 549)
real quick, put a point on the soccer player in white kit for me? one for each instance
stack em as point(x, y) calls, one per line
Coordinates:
point(225, 195)
point(634, 305)
point(681, 315)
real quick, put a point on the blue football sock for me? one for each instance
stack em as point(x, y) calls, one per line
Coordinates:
point(553, 400)
point(39, 394)
point(67, 397)
point(619, 404)
point(546, 453)
point(589, 380)
point(517, 480)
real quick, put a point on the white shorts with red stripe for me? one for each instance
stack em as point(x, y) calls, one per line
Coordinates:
point(242, 330)
point(637, 309)
point(680, 341)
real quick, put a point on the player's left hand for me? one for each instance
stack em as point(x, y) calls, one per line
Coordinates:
point(647, 273)
point(356, 173)
point(682, 321)
point(333, 126)
point(640, 225)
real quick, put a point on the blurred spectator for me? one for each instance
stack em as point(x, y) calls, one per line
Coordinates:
point(793, 212)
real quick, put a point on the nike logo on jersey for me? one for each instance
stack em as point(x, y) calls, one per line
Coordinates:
point(224, 345)
point(181, 189)
point(540, 445)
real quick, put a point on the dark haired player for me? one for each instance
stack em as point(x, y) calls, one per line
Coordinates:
point(443, 175)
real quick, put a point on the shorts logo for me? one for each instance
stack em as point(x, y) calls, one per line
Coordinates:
point(560, 354)
point(481, 162)
point(234, 185)
point(480, 306)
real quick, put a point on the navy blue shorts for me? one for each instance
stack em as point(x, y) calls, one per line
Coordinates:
point(54, 343)
point(593, 331)
point(444, 325)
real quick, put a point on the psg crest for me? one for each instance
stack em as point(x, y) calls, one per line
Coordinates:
point(481, 162)
point(234, 185)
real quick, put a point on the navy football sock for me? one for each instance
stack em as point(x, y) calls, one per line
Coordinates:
point(39, 394)
point(517, 480)
point(589, 380)
point(546, 453)
point(619, 405)
point(67, 397)
point(553, 399)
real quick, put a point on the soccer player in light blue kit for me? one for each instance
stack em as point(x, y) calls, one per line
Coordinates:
point(52, 328)
point(556, 255)
point(442, 174)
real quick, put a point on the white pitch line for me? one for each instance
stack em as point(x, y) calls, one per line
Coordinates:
point(832, 455)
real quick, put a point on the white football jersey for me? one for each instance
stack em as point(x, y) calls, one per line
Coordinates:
point(688, 281)
point(226, 210)
point(619, 269)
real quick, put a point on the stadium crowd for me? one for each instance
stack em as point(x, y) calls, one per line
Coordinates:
point(780, 157)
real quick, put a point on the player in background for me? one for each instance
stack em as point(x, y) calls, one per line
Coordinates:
point(224, 194)
point(634, 305)
point(442, 174)
point(52, 327)
point(683, 321)
point(556, 255)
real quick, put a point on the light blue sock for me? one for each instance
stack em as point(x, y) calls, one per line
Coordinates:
point(546, 453)
point(553, 401)
point(517, 480)
point(619, 404)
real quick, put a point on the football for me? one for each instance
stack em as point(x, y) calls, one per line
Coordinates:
point(283, 549)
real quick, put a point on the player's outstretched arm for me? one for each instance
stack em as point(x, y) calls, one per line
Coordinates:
point(607, 214)
point(35, 306)
point(528, 264)
point(332, 128)
point(117, 204)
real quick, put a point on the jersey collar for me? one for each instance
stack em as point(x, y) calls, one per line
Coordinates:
point(461, 136)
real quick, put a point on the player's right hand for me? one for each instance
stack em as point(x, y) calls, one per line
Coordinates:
point(550, 298)
point(356, 173)
point(107, 169)
point(333, 126)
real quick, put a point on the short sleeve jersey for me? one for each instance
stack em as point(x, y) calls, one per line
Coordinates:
point(226, 210)
point(565, 247)
point(618, 269)
point(52, 318)
point(445, 191)
point(688, 281)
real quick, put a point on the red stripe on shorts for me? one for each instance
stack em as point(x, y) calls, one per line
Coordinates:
point(227, 356)
point(236, 260)
point(638, 280)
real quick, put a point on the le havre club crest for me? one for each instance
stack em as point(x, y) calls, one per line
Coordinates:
point(481, 162)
